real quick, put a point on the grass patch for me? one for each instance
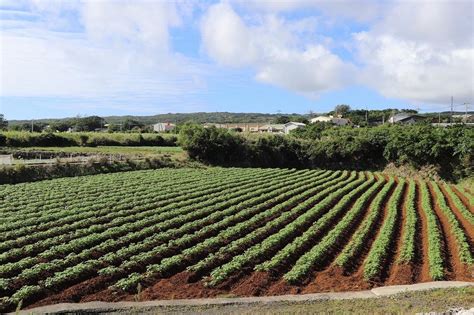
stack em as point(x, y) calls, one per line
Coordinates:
point(438, 300)
point(143, 150)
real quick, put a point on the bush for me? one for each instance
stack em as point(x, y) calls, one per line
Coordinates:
point(447, 149)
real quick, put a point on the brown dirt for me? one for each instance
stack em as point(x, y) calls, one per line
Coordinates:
point(333, 279)
point(422, 267)
point(463, 198)
point(402, 274)
point(177, 287)
point(255, 285)
point(281, 287)
point(455, 269)
point(74, 293)
point(393, 270)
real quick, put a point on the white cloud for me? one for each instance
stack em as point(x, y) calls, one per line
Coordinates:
point(146, 23)
point(120, 52)
point(421, 51)
point(275, 48)
point(413, 71)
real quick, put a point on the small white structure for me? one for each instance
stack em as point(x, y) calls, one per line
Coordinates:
point(272, 128)
point(163, 127)
point(338, 121)
point(292, 126)
point(321, 119)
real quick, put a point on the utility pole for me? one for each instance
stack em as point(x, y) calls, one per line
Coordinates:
point(366, 116)
point(32, 126)
point(439, 117)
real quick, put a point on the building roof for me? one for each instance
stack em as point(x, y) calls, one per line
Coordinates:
point(340, 121)
point(321, 118)
point(164, 123)
point(403, 116)
point(295, 123)
point(273, 126)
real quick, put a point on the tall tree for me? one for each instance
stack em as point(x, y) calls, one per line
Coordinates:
point(3, 122)
point(342, 109)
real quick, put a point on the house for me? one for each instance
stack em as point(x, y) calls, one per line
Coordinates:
point(241, 127)
point(321, 119)
point(338, 121)
point(272, 128)
point(292, 126)
point(405, 118)
point(163, 127)
point(466, 118)
point(341, 121)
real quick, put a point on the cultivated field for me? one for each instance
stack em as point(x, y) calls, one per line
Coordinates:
point(180, 233)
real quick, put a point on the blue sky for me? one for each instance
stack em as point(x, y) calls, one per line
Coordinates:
point(145, 57)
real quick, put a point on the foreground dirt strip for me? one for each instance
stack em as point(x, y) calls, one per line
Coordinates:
point(94, 307)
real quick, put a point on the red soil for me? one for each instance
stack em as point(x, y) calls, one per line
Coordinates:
point(466, 225)
point(422, 268)
point(455, 269)
point(463, 198)
point(397, 273)
point(333, 279)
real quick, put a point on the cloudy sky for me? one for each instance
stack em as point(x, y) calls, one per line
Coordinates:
point(112, 57)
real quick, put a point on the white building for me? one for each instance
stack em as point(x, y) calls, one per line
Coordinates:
point(321, 119)
point(272, 128)
point(292, 126)
point(331, 119)
point(163, 127)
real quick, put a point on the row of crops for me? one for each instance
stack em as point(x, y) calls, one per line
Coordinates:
point(222, 224)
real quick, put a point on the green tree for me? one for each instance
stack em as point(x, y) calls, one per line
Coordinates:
point(342, 109)
point(282, 119)
point(89, 123)
point(130, 124)
point(3, 122)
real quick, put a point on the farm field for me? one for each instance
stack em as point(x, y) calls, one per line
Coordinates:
point(182, 233)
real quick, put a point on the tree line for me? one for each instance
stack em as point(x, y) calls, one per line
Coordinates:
point(320, 146)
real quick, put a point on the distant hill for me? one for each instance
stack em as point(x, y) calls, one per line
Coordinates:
point(200, 117)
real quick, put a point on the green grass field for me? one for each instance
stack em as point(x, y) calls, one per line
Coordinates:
point(143, 150)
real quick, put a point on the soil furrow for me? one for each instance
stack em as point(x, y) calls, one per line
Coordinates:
point(394, 273)
point(452, 263)
point(463, 198)
point(359, 263)
point(422, 267)
point(465, 224)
